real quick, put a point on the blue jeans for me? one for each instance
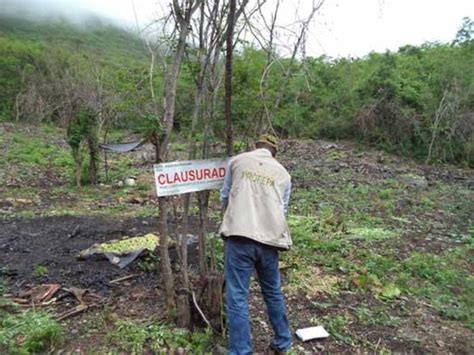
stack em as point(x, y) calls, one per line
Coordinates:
point(242, 256)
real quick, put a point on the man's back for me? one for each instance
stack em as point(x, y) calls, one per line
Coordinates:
point(256, 192)
point(256, 201)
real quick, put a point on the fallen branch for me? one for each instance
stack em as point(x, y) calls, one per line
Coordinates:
point(75, 231)
point(20, 301)
point(50, 302)
point(41, 294)
point(79, 309)
point(200, 311)
point(120, 279)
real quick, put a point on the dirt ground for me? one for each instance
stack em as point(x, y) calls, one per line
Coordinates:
point(37, 247)
point(55, 242)
point(26, 243)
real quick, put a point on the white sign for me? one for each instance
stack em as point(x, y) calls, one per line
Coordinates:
point(181, 177)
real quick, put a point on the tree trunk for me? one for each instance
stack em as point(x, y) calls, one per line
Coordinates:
point(170, 98)
point(76, 153)
point(228, 78)
point(183, 18)
point(184, 240)
point(78, 173)
point(211, 299)
point(187, 197)
point(93, 157)
point(166, 272)
point(183, 318)
point(170, 89)
point(203, 205)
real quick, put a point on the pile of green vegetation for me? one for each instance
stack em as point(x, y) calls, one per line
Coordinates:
point(418, 101)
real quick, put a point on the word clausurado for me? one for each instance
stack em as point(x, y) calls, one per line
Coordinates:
point(189, 176)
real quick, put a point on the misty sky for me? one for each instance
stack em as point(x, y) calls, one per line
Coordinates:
point(341, 28)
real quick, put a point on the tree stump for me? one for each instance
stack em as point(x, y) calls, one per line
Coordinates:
point(211, 299)
point(183, 319)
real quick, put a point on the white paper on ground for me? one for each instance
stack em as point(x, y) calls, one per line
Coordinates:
point(312, 333)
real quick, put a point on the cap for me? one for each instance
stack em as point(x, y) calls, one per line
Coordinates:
point(268, 139)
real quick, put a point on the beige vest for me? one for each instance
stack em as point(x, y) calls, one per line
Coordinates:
point(255, 207)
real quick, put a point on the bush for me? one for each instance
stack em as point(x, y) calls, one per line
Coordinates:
point(30, 332)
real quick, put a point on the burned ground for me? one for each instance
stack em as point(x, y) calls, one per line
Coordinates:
point(48, 242)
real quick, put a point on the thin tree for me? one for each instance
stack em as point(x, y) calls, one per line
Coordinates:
point(209, 29)
point(182, 15)
point(266, 37)
point(228, 77)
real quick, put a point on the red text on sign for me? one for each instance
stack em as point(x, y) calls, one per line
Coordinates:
point(190, 176)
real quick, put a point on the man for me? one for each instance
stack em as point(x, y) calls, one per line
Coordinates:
point(255, 194)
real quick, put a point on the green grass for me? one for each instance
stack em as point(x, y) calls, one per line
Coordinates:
point(42, 151)
point(41, 271)
point(368, 234)
point(129, 336)
point(147, 211)
point(444, 281)
point(29, 332)
point(341, 229)
point(89, 201)
point(134, 338)
point(376, 316)
point(351, 236)
point(6, 306)
point(337, 327)
point(52, 130)
point(31, 151)
point(119, 210)
point(22, 192)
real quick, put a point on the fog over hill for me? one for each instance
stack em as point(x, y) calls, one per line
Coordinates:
point(51, 11)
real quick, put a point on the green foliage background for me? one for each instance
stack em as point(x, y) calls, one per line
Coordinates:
point(392, 99)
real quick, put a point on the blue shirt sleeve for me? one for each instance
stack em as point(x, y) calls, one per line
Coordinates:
point(286, 198)
point(225, 190)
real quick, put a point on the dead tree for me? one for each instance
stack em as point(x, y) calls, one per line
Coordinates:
point(228, 77)
point(211, 33)
point(446, 124)
point(208, 28)
point(182, 14)
point(267, 39)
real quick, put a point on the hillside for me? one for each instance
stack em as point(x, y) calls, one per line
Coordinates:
point(94, 36)
point(28, 46)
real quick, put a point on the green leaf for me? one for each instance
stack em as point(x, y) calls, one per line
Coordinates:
point(390, 291)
